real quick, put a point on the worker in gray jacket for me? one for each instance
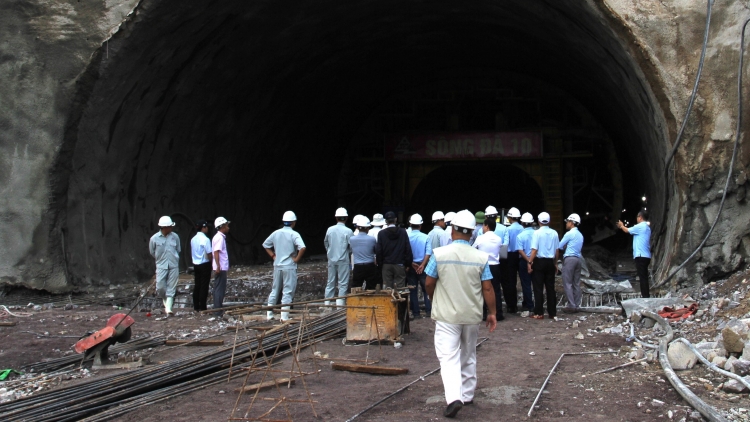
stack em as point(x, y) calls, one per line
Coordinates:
point(338, 250)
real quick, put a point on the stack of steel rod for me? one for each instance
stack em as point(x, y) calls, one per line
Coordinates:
point(131, 390)
point(62, 362)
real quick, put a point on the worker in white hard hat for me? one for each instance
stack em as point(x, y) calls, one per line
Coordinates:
point(221, 262)
point(438, 230)
point(523, 247)
point(571, 245)
point(490, 243)
point(286, 248)
point(510, 291)
point(421, 250)
point(542, 266)
point(365, 273)
point(165, 247)
point(377, 224)
point(336, 242)
point(447, 239)
point(201, 252)
point(458, 279)
point(514, 229)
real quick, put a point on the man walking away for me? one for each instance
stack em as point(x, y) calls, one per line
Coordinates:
point(458, 278)
point(164, 246)
point(489, 243)
point(338, 250)
point(363, 253)
point(544, 244)
point(641, 233)
point(393, 253)
point(510, 292)
point(438, 219)
point(202, 255)
point(571, 245)
point(523, 246)
point(286, 248)
point(447, 239)
point(220, 262)
point(421, 250)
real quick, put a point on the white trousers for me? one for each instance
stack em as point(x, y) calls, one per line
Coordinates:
point(456, 349)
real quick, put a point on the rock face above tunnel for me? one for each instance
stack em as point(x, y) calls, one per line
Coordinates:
point(72, 217)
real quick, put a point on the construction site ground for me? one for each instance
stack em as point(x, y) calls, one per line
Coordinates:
point(512, 365)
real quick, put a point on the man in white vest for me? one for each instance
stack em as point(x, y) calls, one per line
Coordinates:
point(458, 278)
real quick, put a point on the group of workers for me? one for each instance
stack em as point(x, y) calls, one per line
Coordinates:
point(464, 266)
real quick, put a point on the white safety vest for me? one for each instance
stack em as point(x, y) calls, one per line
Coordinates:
point(458, 294)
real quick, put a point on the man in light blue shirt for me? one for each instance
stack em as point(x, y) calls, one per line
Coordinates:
point(338, 250)
point(286, 248)
point(544, 244)
point(641, 233)
point(363, 254)
point(510, 290)
point(523, 247)
point(421, 250)
point(437, 232)
point(512, 262)
point(571, 245)
point(202, 255)
point(165, 247)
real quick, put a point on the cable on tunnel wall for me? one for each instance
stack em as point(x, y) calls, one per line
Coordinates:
point(731, 163)
point(693, 95)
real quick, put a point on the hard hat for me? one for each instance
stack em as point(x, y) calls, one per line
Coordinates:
point(363, 222)
point(490, 210)
point(506, 222)
point(220, 221)
point(416, 220)
point(378, 220)
point(465, 220)
point(166, 221)
point(201, 224)
point(289, 216)
point(341, 212)
point(479, 217)
point(527, 218)
point(437, 215)
point(574, 218)
point(543, 217)
point(450, 216)
point(357, 218)
point(514, 213)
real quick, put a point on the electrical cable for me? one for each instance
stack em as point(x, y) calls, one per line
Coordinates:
point(738, 136)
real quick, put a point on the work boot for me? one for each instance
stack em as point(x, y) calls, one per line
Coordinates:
point(168, 306)
point(284, 315)
point(340, 302)
point(269, 316)
point(327, 307)
point(452, 410)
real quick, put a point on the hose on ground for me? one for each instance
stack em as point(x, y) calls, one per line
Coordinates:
point(707, 411)
point(710, 365)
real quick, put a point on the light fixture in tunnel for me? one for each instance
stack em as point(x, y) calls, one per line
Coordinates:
point(643, 198)
point(587, 213)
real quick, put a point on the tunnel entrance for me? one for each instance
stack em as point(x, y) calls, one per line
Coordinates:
point(246, 110)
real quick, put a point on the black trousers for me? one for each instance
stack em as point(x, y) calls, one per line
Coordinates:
point(641, 267)
point(496, 285)
point(368, 274)
point(510, 289)
point(543, 278)
point(202, 275)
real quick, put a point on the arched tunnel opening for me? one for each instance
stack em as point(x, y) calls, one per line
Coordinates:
point(248, 110)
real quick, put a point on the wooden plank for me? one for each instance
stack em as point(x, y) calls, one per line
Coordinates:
point(254, 317)
point(369, 369)
point(264, 385)
point(7, 323)
point(195, 343)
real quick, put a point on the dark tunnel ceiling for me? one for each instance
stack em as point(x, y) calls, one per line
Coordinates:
point(246, 109)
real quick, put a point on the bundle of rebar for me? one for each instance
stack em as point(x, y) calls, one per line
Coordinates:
point(73, 360)
point(111, 396)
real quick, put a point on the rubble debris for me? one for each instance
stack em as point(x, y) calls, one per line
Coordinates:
point(674, 315)
point(681, 357)
point(734, 335)
point(599, 287)
point(653, 304)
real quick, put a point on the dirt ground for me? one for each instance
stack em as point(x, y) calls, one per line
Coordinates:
point(512, 365)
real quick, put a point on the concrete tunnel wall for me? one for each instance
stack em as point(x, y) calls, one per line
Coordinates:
point(246, 110)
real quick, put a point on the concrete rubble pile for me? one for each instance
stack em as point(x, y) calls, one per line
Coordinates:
point(719, 330)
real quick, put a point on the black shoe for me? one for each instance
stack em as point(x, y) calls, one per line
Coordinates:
point(468, 403)
point(512, 310)
point(498, 318)
point(452, 410)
